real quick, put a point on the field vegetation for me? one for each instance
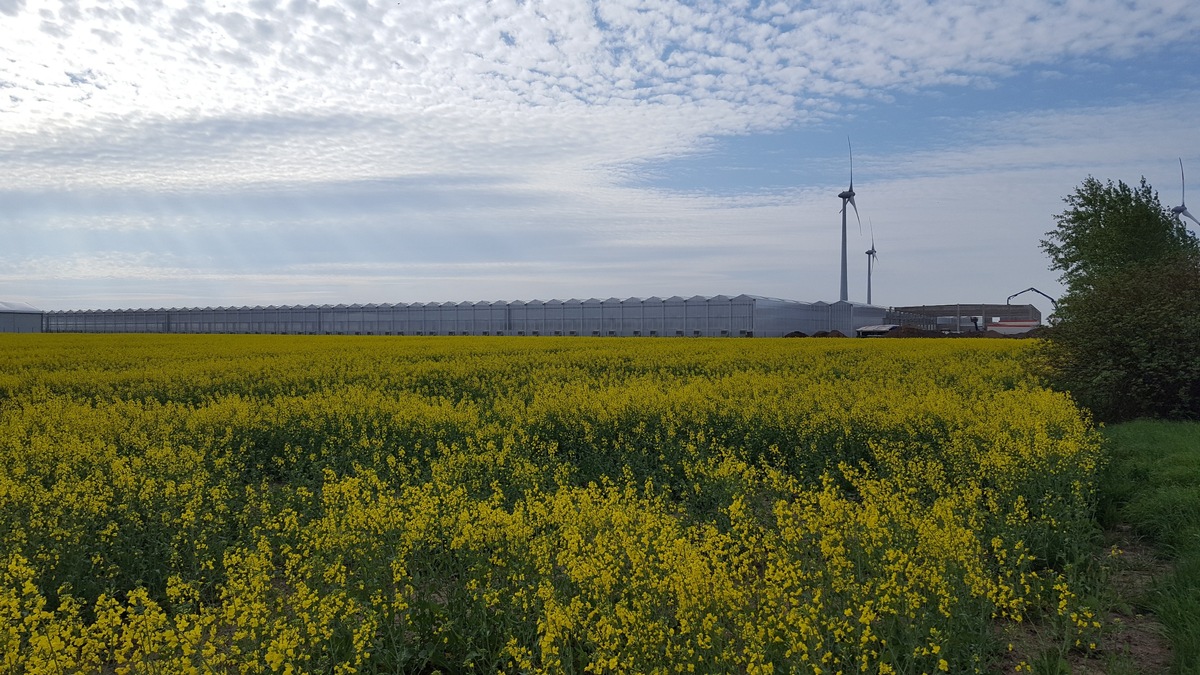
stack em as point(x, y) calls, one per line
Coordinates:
point(1152, 485)
point(323, 504)
point(1123, 344)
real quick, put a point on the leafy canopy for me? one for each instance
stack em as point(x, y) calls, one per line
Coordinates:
point(1129, 345)
point(1108, 228)
point(1126, 341)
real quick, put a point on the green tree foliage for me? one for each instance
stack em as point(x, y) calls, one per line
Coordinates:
point(1129, 345)
point(1127, 341)
point(1107, 228)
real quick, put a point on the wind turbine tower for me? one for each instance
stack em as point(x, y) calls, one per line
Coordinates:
point(847, 196)
point(871, 257)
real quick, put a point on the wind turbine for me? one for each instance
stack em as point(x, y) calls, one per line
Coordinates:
point(847, 196)
point(1181, 210)
point(871, 257)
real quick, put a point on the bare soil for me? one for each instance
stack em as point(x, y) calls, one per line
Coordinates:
point(1132, 641)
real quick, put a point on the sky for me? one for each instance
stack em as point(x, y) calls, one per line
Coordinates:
point(167, 153)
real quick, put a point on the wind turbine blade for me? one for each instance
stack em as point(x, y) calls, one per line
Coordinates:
point(851, 200)
point(1185, 213)
point(1182, 184)
point(851, 148)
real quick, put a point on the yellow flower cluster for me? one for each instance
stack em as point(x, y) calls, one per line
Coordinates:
point(261, 504)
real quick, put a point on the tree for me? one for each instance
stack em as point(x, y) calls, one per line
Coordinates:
point(1108, 228)
point(1127, 341)
point(1129, 345)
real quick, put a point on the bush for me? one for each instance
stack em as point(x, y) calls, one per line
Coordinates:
point(1128, 345)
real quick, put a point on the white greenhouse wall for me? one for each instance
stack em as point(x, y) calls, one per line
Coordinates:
point(18, 317)
point(20, 322)
point(697, 316)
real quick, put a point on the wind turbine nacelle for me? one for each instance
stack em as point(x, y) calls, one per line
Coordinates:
point(848, 194)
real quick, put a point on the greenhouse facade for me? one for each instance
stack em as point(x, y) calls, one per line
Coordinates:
point(18, 317)
point(697, 316)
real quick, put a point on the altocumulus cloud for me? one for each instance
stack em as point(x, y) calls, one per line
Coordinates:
point(485, 134)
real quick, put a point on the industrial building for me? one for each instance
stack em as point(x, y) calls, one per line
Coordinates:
point(963, 318)
point(697, 316)
point(18, 317)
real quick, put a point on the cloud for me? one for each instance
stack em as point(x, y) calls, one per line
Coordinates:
point(180, 96)
point(1107, 139)
point(193, 141)
point(406, 58)
point(11, 7)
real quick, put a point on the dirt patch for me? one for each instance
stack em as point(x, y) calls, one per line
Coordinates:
point(911, 331)
point(1133, 634)
point(1138, 565)
point(1132, 641)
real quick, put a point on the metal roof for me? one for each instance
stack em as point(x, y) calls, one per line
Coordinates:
point(13, 306)
point(573, 302)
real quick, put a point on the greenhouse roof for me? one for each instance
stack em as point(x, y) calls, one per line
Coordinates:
point(9, 306)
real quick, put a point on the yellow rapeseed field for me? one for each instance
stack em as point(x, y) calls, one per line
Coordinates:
point(252, 504)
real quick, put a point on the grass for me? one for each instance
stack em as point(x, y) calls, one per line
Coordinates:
point(1151, 488)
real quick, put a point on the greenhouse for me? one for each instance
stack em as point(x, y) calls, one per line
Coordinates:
point(18, 317)
point(697, 316)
